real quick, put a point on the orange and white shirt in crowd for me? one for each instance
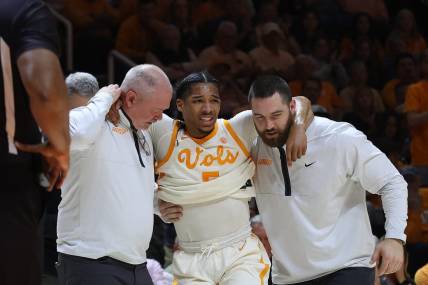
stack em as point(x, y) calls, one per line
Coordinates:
point(417, 101)
point(266, 60)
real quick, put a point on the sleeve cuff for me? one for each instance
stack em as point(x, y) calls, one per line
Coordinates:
point(401, 237)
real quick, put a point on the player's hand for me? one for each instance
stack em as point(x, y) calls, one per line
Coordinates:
point(115, 92)
point(57, 161)
point(113, 114)
point(389, 256)
point(296, 143)
point(170, 212)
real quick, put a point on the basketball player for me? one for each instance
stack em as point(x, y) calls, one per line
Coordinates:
point(204, 165)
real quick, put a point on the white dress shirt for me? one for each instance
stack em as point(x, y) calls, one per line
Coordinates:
point(107, 197)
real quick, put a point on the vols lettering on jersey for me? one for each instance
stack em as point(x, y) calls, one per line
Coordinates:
point(222, 157)
point(202, 170)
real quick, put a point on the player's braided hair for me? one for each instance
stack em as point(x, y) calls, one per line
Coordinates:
point(182, 88)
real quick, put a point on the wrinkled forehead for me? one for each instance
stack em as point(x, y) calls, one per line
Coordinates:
point(268, 105)
point(158, 97)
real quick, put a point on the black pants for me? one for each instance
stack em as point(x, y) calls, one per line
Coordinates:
point(346, 276)
point(75, 270)
point(20, 211)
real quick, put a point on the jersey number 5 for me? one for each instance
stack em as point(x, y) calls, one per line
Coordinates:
point(208, 175)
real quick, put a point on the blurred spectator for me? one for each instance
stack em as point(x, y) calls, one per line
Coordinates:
point(406, 29)
point(290, 43)
point(224, 51)
point(362, 28)
point(162, 10)
point(375, 8)
point(307, 30)
point(269, 58)
point(394, 91)
point(329, 67)
point(331, 16)
point(267, 11)
point(209, 10)
point(416, 109)
point(303, 69)
point(93, 24)
point(181, 18)
point(137, 34)
point(394, 46)
point(389, 137)
point(233, 99)
point(172, 56)
point(358, 78)
point(311, 89)
point(123, 8)
point(363, 116)
point(239, 12)
point(81, 86)
point(364, 51)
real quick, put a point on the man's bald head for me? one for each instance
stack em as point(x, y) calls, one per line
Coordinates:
point(147, 93)
point(144, 78)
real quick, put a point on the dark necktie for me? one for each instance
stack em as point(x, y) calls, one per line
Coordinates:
point(135, 137)
point(284, 168)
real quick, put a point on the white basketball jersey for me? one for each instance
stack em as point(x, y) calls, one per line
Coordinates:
point(201, 170)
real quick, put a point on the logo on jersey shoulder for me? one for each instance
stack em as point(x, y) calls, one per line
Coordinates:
point(264, 161)
point(222, 156)
point(119, 130)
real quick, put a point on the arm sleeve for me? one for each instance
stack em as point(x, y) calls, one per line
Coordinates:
point(160, 133)
point(86, 121)
point(364, 163)
point(394, 201)
point(368, 166)
point(243, 124)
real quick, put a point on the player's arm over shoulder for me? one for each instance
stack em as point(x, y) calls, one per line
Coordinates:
point(243, 125)
point(160, 133)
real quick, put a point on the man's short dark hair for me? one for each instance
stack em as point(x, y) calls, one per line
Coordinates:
point(267, 85)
